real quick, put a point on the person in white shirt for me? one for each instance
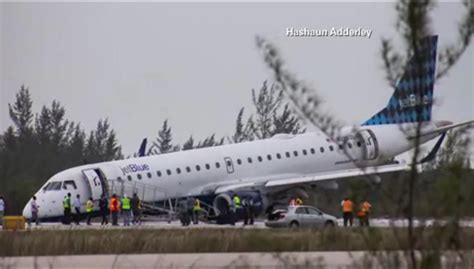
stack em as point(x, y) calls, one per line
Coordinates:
point(34, 210)
point(2, 209)
point(77, 207)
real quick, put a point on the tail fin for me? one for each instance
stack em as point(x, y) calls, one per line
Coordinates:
point(413, 96)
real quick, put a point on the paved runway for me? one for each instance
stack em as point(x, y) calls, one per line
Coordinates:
point(258, 225)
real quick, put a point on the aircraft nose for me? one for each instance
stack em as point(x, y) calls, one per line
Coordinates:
point(27, 211)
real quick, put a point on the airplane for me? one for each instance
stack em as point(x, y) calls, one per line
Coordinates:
point(267, 170)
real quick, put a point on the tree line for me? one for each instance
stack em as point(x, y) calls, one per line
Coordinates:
point(40, 144)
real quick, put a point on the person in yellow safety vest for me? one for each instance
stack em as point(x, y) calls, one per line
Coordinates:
point(299, 201)
point(236, 213)
point(196, 210)
point(126, 210)
point(89, 209)
point(67, 209)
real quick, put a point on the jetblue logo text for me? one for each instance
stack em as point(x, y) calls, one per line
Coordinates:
point(131, 168)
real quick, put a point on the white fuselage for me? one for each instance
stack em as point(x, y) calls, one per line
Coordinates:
point(199, 171)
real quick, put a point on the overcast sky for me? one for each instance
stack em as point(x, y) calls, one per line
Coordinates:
point(138, 64)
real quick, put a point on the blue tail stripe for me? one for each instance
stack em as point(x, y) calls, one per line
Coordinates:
point(414, 91)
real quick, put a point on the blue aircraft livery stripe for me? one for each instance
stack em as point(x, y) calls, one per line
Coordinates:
point(413, 97)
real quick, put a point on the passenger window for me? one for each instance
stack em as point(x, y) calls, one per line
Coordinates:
point(313, 211)
point(321, 149)
point(188, 169)
point(305, 152)
point(349, 145)
point(239, 161)
point(168, 172)
point(139, 176)
point(198, 168)
point(249, 160)
point(208, 166)
point(278, 156)
point(301, 210)
point(295, 153)
point(158, 173)
point(148, 175)
point(312, 151)
point(331, 148)
point(259, 158)
point(178, 170)
point(287, 154)
point(269, 157)
point(129, 177)
point(340, 147)
point(359, 144)
point(218, 165)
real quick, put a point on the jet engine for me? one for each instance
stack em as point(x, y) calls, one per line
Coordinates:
point(223, 202)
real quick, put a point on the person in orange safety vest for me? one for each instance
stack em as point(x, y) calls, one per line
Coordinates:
point(363, 213)
point(114, 209)
point(347, 209)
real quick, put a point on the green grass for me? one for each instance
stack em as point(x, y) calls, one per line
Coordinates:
point(68, 242)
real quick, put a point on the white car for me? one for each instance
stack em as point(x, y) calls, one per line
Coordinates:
point(300, 216)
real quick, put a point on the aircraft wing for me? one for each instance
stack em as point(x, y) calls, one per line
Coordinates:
point(338, 174)
point(288, 180)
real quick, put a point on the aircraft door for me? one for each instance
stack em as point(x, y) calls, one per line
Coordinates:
point(95, 183)
point(229, 165)
point(370, 145)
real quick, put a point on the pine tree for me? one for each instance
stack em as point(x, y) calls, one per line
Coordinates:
point(266, 104)
point(189, 144)
point(164, 140)
point(286, 123)
point(21, 113)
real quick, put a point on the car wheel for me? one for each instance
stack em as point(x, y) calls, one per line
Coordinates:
point(294, 224)
point(329, 224)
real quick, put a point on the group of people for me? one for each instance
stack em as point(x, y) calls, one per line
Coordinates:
point(362, 213)
point(130, 209)
point(189, 210)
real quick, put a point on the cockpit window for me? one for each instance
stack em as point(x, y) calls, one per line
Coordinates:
point(53, 186)
point(69, 185)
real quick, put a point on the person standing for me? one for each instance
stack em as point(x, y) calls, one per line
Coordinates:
point(366, 207)
point(77, 208)
point(126, 210)
point(347, 209)
point(251, 210)
point(2, 209)
point(89, 209)
point(34, 211)
point(196, 210)
point(67, 209)
point(246, 211)
point(189, 209)
point(136, 209)
point(103, 205)
point(183, 211)
point(237, 207)
point(114, 209)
